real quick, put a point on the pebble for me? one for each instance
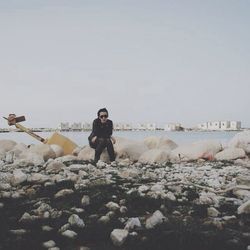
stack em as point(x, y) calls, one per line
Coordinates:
point(69, 234)
point(49, 244)
point(118, 236)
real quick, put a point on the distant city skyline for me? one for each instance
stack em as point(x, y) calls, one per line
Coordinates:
point(145, 61)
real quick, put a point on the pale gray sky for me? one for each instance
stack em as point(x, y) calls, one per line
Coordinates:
point(146, 61)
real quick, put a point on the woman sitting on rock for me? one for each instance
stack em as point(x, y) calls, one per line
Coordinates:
point(101, 135)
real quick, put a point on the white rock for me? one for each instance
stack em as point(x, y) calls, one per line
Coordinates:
point(208, 198)
point(63, 192)
point(75, 220)
point(156, 219)
point(129, 149)
point(88, 154)
point(143, 188)
point(228, 217)
point(76, 151)
point(55, 167)
point(123, 210)
point(7, 145)
point(197, 150)
point(47, 228)
point(170, 196)
point(19, 231)
point(77, 210)
point(26, 217)
point(49, 244)
point(112, 206)
point(18, 177)
point(154, 156)
point(242, 194)
point(30, 158)
point(76, 168)
point(5, 186)
point(100, 164)
point(118, 236)
point(132, 223)
point(64, 228)
point(243, 180)
point(66, 158)
point(69, 234)
point(43, 150)
point(57, 150)
point(229, 154)
point(157, 187)
point(84, 248)
point(244, 208)
point(85, 200)
point(212, 212)
point(129, 173)
point(38, 178)
point(241, 140)
point(18, 149)
point(104, 219)
point(153, 142)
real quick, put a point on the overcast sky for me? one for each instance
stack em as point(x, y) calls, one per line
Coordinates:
point(145, 61)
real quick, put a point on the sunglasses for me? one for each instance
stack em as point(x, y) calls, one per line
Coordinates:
point(103, 116)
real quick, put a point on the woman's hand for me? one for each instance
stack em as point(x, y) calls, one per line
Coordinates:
point(93, 139)
point(113, 139)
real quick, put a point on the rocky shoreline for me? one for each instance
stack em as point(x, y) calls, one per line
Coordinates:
point(48, 201)
point(72, 204)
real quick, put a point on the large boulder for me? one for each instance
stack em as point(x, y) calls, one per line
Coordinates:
point(229, 154)
point(241, 140)
point(18, 149)
point(154, 156)
point(43, 150)
point(129, 149)
point(244, 208)
point(118, 236)
point(7, 145)
point(28, 158)
point(154, 220)
point(88, 154)
point(206, 149)
point(153, 142)
point(18, 177)
point(57, 149)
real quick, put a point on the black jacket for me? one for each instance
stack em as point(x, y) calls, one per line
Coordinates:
point(101, 130)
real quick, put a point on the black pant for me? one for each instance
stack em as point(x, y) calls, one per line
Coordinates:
point(100, 144)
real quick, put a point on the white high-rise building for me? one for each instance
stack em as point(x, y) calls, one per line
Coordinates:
point(173, 127)
point(64, 126)
point(235, 125)
point(76, 126)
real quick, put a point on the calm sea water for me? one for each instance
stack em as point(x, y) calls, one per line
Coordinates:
point(81, 138)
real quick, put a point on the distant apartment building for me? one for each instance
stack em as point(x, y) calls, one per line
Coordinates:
point(225, 125)
point(203, 126)
point(220, 125)
point(141, 126)
point(173, 127)
point(235, 125)
point(64, 126)
point(213, 125)
point(76, 126)
point(151, 126)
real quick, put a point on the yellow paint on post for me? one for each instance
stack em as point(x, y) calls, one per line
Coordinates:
point(62, 141)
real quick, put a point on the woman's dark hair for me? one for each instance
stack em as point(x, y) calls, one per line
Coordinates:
point(102, 110)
